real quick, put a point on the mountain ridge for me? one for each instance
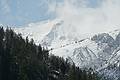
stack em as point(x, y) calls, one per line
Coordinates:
point(97, 51)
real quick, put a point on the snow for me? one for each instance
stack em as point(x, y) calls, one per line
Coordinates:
point(37, 31)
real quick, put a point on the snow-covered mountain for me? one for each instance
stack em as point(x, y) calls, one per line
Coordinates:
point(63, 40)
point(97, 51)
point(92, 52)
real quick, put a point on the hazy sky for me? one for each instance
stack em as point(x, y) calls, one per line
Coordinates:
point(85, 15)
point(22, 12)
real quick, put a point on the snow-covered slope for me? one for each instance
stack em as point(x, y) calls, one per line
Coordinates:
point(91, 52)
point(37, 31)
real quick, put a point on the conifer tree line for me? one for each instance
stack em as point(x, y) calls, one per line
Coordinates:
point(22, 59)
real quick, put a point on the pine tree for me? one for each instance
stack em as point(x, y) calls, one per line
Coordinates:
point(72, 73)
point(1, 50)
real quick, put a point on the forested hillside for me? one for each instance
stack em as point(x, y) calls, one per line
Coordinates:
point(22, 59)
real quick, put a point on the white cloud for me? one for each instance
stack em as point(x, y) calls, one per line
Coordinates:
point(103, 18)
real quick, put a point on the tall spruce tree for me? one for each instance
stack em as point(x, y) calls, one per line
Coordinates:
point(1, 51)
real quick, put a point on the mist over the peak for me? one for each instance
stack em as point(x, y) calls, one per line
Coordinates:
point(103, 17)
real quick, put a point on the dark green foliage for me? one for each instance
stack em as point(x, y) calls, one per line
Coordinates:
point(21, 59)
point(1, 50)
